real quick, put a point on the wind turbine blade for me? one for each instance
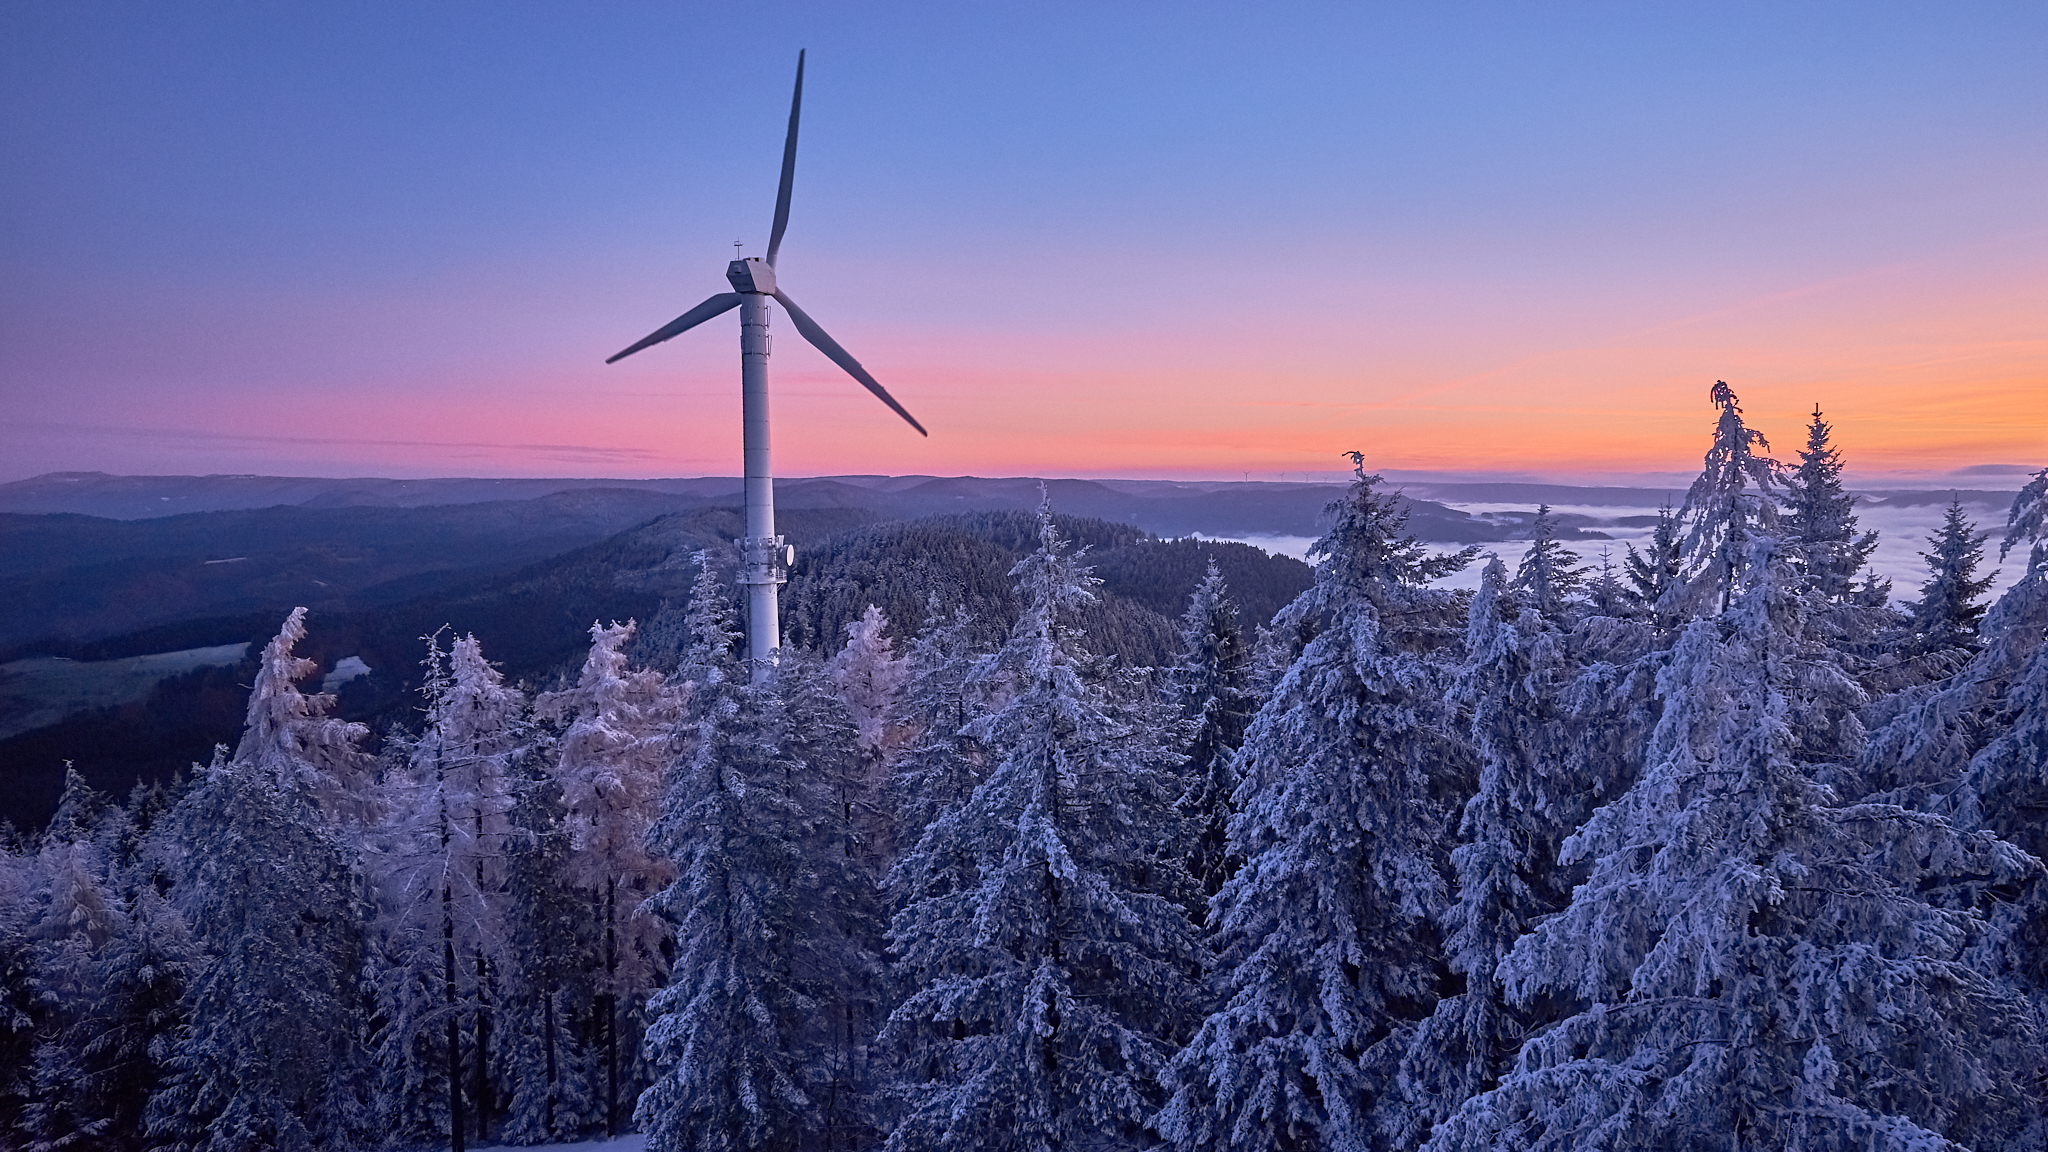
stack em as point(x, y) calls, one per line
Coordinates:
point(796, 103)
point(723, 302)
point(831, 348)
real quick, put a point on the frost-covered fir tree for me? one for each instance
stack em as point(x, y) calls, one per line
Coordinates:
point(17, 982)
point(1534, 789)
point(1756, 964)
point(1819, 522)
point(292, 734)
point(94, 1077)
point(273, 1056)
point(2006, 785)
point(266, 878)
point(442, 875)
point(1047, 989)
point(554, 1093)
point(869, 679)
point(1733, 499)
point(1606, 595)
point(1326, 951)
point(2027, 521)
point(74, 915)
point(845, 856)
point(1654, 572)
point(617, 728)
point(1949, 610)
point(760, 1037)
point(1211, 686)
point(1923, 738)
point(869, 676)
point(723, 1030)
point(946, 685)
point(1550, 575)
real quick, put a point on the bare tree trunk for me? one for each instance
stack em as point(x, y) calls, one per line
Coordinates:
point(548, 1046)
point(611, 1010)
point(484, 1102)
point(455, 1117)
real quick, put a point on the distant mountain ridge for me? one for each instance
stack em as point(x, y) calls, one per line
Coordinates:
point(1162, 507)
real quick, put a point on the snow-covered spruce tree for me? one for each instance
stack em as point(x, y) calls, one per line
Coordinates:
point(1211, 686)
point(73, 916)
point(1949, 611)
point(845, 855)
point(94, 1077)
point(2005, 789)
point(1327, 956)
point(1733, 499)
point(17, 981)
point(441, 874)
point(616, 737)
point(1045, 992)
point(264, 874)
point(1272, 654)
point(554, 1093)
point(869, 680)
point(1550, 575)
point(1819, 522)
point(1653, 573)
point(1923, 738)
point(760, 1037)
point(1533, 792)
point(1757, 965)
point(273, 1056)
point(2027, 521)
point(2006, 785)
point(722, 1030)
point(946, 686)
point(869, 677)
point(290, 734)
point(1606, 595)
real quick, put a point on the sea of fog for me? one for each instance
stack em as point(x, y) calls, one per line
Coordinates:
point(1903, 525)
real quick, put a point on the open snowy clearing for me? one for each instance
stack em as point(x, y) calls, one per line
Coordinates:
point(43, 689)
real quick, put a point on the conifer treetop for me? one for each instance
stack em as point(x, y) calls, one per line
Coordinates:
point(2028, 519)
point(1368, 545)
point(291, 734)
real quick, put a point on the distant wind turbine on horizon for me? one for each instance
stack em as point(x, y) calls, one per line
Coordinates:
point(765, 557)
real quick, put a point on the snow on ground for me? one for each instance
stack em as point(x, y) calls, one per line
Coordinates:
point(45, 689)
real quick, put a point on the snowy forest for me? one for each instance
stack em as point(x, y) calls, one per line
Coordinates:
point(1720, 844)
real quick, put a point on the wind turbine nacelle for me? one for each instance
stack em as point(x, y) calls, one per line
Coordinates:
point(751, 275)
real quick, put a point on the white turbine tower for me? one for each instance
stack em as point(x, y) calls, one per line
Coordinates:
point(765, 558)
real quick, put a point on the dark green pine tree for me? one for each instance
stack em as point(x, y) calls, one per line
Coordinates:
point(1950, 609)
point(1820, 518)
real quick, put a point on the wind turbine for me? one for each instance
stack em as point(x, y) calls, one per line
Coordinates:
point(765, 557)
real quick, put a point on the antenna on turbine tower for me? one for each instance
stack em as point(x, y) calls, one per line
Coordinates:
point(764, 556)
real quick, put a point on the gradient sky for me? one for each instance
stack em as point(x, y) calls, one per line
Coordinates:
point(1086, 239)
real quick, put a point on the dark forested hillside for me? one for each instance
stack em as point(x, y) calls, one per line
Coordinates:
point(965, 561)
point(75, 579)
point(535, 620)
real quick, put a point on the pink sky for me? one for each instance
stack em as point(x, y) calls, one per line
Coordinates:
point(309, 246)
